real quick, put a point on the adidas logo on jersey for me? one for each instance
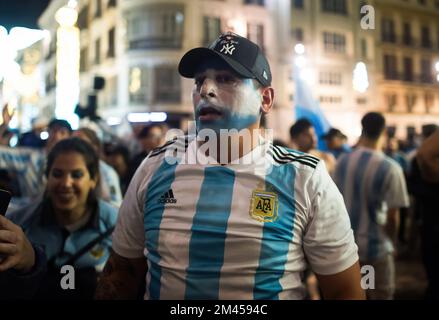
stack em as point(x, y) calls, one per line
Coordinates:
point(168, 197)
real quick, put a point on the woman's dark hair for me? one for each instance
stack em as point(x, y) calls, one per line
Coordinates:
point(79, 146)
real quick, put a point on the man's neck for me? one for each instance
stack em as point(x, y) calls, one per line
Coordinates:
point(370, 144)
point(233, 147)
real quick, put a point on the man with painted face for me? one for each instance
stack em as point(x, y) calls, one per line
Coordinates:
point(230, 227)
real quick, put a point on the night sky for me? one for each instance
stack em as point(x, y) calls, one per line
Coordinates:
point(21, 13)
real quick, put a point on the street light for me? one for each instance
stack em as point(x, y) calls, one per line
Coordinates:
point(305, 73)
point(67, 63)
point(360, 79)
point(299, 48)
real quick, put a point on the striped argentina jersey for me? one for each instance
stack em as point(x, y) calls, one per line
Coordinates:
point(371, 183)
point(28, 164)
point(238, 231)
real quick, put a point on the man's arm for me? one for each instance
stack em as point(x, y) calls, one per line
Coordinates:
point(392, 224)
point(428, 158)
point(6, 117)
point(345, 285)
point(121, 279)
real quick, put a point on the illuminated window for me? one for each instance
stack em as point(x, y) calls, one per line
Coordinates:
point(408, 69)
point(334, 42)
point(363, 48)
point(331, 99)
point(111, 53)
point(110, 93)
point(211, 29)
point(83, 60)
point(425, 37)
point(256, 2)
point(407, 34)
point(298, 35)
point(167, 84)
point(155, 26)
point(97, 52)
point(334, 6)
point(138, 85)
point(388, 30)
point(426, 71)
point(298, 4)
point(83, 18)
point(390, 70)
point(255, 33)
point(330, 78)
point(98, 8)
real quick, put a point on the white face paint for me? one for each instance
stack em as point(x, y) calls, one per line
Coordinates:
point(224, 101)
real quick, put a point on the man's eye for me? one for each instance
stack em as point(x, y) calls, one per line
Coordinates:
point(56, 174)
point(224, 79)
point(77, 174)
point(199, 81)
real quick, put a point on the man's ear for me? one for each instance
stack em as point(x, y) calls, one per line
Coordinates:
point(267, 94)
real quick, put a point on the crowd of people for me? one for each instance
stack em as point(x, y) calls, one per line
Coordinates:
point(295, 223)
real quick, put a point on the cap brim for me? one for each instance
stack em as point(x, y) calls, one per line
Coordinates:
point(193, 58)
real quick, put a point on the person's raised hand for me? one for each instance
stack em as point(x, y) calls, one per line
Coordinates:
point(7, 117)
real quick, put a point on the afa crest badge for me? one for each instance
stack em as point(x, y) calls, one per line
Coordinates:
point(264, 206)
point(97, 252)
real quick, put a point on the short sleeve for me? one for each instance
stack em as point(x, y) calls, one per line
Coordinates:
point(395, 188)
point(328, 241)
point(128, 236)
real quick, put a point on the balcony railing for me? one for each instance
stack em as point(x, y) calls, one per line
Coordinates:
point(410, 42)
point(155, 43)
point(410, 78)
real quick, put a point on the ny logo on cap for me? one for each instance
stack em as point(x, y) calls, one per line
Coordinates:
point(264, 74)
point(228, 48)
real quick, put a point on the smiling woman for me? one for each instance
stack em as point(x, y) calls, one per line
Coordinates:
point(69, 221)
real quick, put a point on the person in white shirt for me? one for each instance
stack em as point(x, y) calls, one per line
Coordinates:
point(374, 189)
point(195, 225)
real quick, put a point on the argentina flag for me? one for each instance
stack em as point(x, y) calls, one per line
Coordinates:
point(307, 107)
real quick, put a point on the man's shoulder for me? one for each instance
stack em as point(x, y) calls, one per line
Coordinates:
point(393, 165)
point(291, 157)
point(178, 144)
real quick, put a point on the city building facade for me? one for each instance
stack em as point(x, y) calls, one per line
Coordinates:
point(135, 47)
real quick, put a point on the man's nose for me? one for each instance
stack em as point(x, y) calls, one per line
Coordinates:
point(208, 88)
point(67, 180)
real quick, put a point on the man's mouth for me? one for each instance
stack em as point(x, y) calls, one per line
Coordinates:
point(209, 114)
point(65, 196)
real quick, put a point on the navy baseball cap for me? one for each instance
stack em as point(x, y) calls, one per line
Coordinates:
point(239, 53)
